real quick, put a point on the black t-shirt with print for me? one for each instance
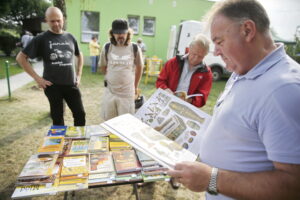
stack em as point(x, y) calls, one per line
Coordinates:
point(57, 52)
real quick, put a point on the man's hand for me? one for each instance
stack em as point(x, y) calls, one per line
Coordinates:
point(193, 175)
point(42, 83)
point(168, 90)
point(78, 79)
point(189, 100)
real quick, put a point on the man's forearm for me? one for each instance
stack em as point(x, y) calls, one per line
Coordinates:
point(23, 62)
point(79, 64)
point(138, 75)
point(276, 184)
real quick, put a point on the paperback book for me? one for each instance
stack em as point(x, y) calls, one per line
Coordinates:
point(101, 163)
point(75, 132)
point(75, 166)
point(79, 147)
point(51, 145)
point(98, 144)
point(57, 130)
point(38, 167)
point(95, 130)
point(125, 161)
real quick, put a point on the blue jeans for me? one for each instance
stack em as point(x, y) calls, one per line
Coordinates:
point(94, 66)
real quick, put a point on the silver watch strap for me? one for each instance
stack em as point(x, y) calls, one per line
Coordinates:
point(212, 186)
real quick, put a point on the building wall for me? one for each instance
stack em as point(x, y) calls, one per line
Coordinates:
point(165, 12)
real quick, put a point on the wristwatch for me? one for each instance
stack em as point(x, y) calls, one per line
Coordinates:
point(212, 186)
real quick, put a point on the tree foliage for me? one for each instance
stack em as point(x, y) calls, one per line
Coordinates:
point(18, 10)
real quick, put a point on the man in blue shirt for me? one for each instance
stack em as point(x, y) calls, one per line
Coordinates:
point(251, 148)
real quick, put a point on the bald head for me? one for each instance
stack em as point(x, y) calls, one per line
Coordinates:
point(54, 19)
point(53, 10)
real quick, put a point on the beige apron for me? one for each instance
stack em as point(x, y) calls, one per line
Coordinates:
point(118, 97)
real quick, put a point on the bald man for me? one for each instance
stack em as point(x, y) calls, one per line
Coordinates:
point(60, 78)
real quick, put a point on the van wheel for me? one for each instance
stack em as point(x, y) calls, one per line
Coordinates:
point(216, 73)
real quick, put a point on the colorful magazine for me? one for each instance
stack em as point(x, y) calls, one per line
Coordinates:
point(101, 163)
point(125, 161)
point(75, 132)
point(74, 165)
point(79, 147)
point(51, 145)
point(98, 144)
point(57, 130)
point(38, 167)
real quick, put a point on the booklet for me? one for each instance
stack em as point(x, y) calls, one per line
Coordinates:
point(177, 119)
point(184, 96)
point(148, 140)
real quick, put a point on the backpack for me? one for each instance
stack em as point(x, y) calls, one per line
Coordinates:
point(134, 45)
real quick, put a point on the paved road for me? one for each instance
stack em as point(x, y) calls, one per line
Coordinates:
point(19, 80)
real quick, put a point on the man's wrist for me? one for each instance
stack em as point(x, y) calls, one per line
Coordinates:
point(212, 186)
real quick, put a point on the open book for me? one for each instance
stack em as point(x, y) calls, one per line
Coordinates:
point(149, 141)
point(183, 95)
point(177, 119)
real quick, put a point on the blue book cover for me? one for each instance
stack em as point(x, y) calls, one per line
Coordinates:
point(57, 131)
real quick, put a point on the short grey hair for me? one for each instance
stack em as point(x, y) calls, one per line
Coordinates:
point(202, 41)
point(240, 10)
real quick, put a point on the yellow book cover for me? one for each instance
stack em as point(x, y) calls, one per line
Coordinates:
point(72, 181)
point(98, 144)
point(74, 165)
point(75, 132)
point(52, 145)
point(38, 167)
point(79, 147)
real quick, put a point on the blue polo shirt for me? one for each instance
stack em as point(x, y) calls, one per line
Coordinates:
point(257, 118)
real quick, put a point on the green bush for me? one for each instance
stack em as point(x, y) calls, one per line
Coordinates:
point(8, 40)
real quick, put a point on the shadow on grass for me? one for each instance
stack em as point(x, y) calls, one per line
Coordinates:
point(42, 122)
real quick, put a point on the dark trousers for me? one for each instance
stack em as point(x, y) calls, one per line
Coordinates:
point(71, 94)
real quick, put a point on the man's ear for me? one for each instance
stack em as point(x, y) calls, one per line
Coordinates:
point(248, 30)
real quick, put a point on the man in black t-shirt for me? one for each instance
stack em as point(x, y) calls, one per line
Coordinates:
point(57, 49)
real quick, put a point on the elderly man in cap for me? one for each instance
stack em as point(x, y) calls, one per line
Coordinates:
point(121, 61)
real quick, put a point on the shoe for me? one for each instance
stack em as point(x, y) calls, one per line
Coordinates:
point(175, 185)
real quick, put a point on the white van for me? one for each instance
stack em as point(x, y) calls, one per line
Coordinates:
point(178, 43)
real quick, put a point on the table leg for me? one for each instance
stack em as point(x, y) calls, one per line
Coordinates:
point(66, 196)
point(135, 189)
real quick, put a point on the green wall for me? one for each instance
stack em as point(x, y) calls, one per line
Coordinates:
point(163, 10)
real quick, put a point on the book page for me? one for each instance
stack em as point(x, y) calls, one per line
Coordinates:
point(177, 119)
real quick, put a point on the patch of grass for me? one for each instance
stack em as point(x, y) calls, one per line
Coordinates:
point(14, 68)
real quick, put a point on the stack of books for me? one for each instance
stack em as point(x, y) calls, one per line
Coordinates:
point(52, 145)
point(95, 130)
point(57, 131)
point(78, 147)
point(74, 170)
point(75, 132)
point(98, 144)
point(127, 166)
point(117, 144)
point(151, 169)
point(101, 169)
point(39, 170)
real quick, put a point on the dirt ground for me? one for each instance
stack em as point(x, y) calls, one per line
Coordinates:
point(24, 122)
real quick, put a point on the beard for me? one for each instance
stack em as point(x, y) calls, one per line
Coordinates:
point(120, 40)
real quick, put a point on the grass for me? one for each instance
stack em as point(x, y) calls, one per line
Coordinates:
point(25, 120)
point(14, 68)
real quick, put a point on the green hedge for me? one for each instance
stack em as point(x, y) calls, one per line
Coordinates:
point(8, 40)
